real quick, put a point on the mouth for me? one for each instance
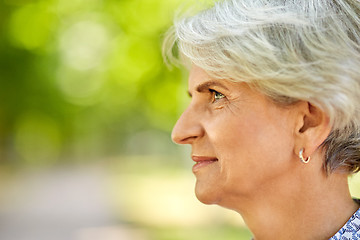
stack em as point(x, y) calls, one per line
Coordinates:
point(202, 161)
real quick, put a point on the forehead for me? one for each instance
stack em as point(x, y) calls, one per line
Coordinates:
point(200, 81)
point(197, 76)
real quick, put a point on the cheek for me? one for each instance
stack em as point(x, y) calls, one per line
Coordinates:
point(249, 148)
point(234, 133)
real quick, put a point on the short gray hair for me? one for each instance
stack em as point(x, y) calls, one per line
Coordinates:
point(290, 50)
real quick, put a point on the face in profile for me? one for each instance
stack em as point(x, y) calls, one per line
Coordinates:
point(241, 141)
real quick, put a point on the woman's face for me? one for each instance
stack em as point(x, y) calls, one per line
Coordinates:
point(241, 141)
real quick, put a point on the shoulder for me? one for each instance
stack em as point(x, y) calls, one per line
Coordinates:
point(351, 230)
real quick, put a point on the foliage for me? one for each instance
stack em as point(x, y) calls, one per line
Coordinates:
point(78, 77)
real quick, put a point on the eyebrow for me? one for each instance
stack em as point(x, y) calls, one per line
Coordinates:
point(203, 87)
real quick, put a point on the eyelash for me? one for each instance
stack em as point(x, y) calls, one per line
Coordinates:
point(214, 93)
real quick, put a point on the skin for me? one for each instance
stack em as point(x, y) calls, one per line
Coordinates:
point(247, 151)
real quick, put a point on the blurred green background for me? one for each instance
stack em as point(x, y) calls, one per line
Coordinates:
point(84, 91)
point(81, 79)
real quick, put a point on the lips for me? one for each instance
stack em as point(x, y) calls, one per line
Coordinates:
point(202, 161)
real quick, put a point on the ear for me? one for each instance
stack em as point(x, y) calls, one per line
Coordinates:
point(313, 127)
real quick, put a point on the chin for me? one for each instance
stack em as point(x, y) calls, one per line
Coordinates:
point(207, 194)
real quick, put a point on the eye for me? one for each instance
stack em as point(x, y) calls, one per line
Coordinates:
point(217, 96)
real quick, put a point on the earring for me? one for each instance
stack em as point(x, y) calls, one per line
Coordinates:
point(302, 157)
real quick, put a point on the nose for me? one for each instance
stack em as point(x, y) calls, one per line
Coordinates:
point(187, 128)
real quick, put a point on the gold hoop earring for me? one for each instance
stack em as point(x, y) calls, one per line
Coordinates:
point(302, 157)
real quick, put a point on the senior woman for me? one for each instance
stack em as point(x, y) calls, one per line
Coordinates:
point(274, 119)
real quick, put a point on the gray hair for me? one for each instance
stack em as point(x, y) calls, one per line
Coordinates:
point(290, 50)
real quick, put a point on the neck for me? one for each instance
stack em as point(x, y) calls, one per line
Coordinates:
point(309, 206)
